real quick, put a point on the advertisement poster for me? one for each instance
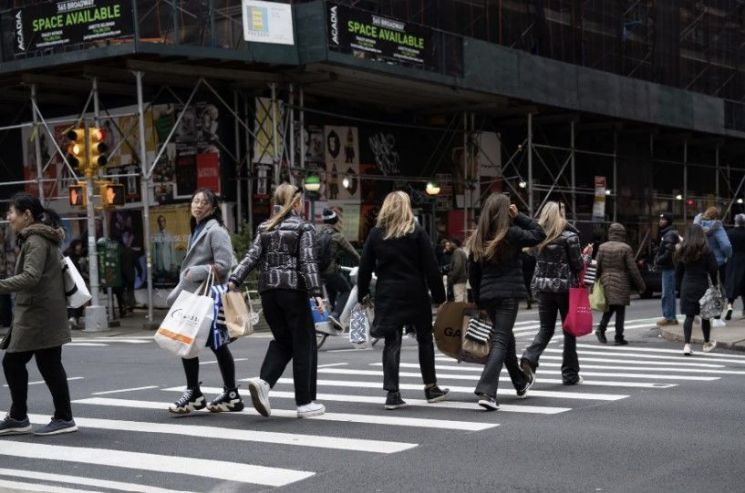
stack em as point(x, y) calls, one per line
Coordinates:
point(267, 22)
point(169, 233)
point(342, 160)
point(70, 22)
point(370, 36)
point(264, 130)
point(598, 206)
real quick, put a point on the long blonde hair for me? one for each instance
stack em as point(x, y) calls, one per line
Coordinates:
point(286, 196)
point(552, 221)
point(494, 223)
point(396, 218)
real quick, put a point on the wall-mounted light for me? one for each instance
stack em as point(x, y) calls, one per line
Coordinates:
point(608, 192)
point(679, 197)
point(432, 188)
point(346, 182)
point(522, 184)
point(740, 201)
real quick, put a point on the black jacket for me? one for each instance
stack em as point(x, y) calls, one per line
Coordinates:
point(734, 279)
point(339, 246)
point(694, 280)
point(285, 256)
point(407, 271)
point(668, 239)
point(503, 277)
point(559, 264)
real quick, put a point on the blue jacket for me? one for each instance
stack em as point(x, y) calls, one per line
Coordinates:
point(717, 236)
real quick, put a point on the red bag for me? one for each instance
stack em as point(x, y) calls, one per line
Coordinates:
point(578, 321)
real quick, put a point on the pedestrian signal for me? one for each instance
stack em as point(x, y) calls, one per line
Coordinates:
point(76, 155)
point(112, 194)
point(77, 195)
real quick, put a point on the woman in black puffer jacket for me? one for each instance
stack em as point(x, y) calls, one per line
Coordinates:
point(495, 272)
point(559, 264)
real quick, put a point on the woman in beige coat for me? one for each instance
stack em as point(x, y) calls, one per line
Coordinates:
point(40, 317)
point(616, 272)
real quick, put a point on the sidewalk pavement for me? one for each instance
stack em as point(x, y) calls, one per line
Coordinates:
point(732, 336)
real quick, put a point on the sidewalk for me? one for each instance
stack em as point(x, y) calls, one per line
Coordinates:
point(730, 337)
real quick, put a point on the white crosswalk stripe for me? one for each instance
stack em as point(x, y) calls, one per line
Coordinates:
point(77, 480)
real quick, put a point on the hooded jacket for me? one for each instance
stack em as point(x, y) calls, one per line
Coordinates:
point(668, 239)
point(339, 246)
point(40, 314)
point(285, 256)
point(617, 268)
point(717, 237)
point(559, 264)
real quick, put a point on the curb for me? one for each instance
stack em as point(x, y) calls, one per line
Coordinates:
point(671, 336)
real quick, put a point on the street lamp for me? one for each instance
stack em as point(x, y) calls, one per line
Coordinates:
point(522, 184)
point(432, 189)
point(311, 185)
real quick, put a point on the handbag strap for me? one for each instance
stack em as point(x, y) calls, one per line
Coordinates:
point(209, 282)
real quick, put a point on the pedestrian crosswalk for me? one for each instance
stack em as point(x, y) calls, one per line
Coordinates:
point(355, 425)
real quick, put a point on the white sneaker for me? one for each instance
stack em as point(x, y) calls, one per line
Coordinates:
point(687, 350)
point(259, 390)
point(709, 346)
point(312, 409)
point(718, 322)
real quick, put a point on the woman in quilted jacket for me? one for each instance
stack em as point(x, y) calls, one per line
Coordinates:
point(696, 269)
point(284, 252)
point(559, 262)
point(616, 271)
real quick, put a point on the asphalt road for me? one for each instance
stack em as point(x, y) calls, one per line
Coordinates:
point(646, 419)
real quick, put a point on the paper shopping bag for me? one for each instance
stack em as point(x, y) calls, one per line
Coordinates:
point(238, 316)
point(578, 321)
point(184, 331)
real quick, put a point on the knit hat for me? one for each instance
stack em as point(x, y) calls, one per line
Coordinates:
point(740, 220)
point(667, 217)
point(329, 217)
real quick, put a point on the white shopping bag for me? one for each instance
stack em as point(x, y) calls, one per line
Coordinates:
point(75, 289)
point(187, 326)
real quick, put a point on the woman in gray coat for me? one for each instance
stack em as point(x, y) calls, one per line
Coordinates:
point(209, 248)
point(40, 317)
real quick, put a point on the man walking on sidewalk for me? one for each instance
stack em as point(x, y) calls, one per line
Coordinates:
point(457, 273)
point(668, 239)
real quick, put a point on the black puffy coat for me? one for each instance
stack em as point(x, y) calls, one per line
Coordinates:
point(668, 239)
point(406, 270)
point(495, 279)
point(734, 280)
point(694, 278)
point(558, 264)
point(285, 256)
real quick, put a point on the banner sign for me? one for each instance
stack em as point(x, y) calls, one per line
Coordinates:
point(267, 22)
point(598, 207)
point(371, 36)
point(47, 25)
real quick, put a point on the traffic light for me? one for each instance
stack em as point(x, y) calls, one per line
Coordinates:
point(77, 195)
point(112, 194)
point(76, 155)
point(97, 148)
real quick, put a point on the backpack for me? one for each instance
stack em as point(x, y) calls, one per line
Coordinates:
point(323, 249)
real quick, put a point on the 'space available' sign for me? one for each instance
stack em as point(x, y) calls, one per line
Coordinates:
point(53, 24)
point(371, 36)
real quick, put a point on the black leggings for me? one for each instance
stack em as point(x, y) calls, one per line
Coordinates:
point(620, 312)
point(224, 361)
point(49, 362)
point(688, 328)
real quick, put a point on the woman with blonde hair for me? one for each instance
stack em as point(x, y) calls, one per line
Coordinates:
point(400, 253)
point(495, 273)
point(283, 250)
point(559, 262)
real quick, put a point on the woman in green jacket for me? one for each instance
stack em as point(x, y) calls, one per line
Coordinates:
point(40, 316)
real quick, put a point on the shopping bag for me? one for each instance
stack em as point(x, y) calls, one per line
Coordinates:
point(75, 289)
point(186, 327)
point(448, 328)
point(321, 320)
point(360, 322)
point(597, 298)
point(238, 314)
point(578, 321)
point(711, 303)
point(476, 341)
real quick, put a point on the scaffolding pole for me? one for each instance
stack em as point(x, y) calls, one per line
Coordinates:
point(716, 163)
point(302, 127)
point(615, 175)
point(573, 171)
point(275, 137)
point(530, 164)
point(145, 182)
point(685, 181)
point(37, 146)
point(238, 166)
point(249, 170)
point(465, 173)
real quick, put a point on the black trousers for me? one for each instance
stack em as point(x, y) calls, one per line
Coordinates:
point(290, 319)
point(549, 306)
point(338, 289)
point(502, 313)
point(688, 328)
point(49, 362)
point(392, 356)
point(224, 361)
point(620, 312)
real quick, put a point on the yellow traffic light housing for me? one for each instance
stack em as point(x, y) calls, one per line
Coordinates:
point(112, 194)
point(76, 152)
point(77, 195)
point(97, 148)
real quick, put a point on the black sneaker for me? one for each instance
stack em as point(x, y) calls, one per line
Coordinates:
point(435, 394)
point(191, 400)
point(528, 371)
point(488, 402)
point(522, 392)
point(228, 401)
point(10, 426)
point(600, 334)
point(620, 341)
point(394, 401)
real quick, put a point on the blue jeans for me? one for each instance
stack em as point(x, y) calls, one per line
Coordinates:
point(668, 294)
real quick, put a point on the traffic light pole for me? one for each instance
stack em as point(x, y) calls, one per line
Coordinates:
point(95, 314)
